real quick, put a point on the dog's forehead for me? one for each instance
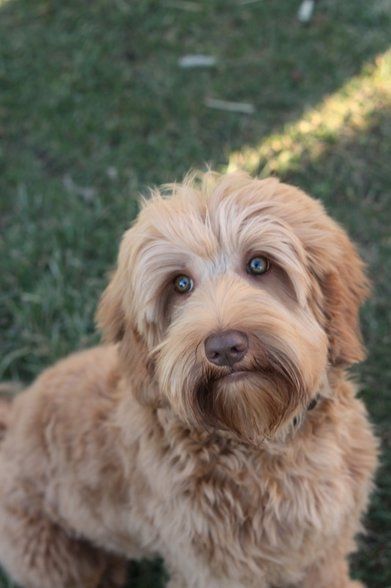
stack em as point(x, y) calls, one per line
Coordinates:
point(224, 220)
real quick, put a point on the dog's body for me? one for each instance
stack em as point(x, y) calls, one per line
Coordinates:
point(248, 476)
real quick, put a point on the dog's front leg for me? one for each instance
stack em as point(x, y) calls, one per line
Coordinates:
point(40, 554)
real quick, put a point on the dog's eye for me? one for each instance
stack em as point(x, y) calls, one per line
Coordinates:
point(183, 284)
point(258, 265)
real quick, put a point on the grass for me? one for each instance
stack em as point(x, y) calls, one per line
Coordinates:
point(93, 108)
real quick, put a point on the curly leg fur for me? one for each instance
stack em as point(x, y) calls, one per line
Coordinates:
point(39, 554)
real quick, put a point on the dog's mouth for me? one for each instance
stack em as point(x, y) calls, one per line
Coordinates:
point(250, 400)
point(235, 376)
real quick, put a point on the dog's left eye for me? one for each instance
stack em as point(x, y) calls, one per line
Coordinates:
point(258, 265)
point(183, 284)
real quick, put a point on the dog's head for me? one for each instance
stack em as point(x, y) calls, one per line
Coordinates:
point(231, 300)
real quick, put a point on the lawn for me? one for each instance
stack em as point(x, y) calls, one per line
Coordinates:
point(94, 108)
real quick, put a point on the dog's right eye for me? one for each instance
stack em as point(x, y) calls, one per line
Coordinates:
point(183, 284)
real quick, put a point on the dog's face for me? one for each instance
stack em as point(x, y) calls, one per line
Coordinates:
point(232, 299)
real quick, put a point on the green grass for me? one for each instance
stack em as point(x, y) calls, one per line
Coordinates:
point(93, 108)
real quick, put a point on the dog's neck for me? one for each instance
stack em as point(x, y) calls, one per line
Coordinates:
point(220, 440)
point(168, 425)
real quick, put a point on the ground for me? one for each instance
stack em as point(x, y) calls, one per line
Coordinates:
point(94, 108)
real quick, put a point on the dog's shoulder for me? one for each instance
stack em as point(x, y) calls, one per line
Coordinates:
point(94, 363)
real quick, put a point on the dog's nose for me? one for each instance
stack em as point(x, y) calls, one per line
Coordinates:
point(226, 348)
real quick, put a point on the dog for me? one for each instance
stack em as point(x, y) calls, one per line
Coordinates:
point(217, 425)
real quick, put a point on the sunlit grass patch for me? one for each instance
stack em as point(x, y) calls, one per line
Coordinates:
point(342, 115)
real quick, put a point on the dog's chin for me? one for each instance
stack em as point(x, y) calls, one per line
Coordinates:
point(250, 404)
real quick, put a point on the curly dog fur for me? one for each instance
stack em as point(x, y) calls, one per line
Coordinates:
point(244, 465)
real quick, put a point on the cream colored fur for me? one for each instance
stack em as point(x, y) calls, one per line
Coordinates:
point(142, 447)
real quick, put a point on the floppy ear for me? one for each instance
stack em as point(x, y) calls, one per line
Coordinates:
point(344, 287)
point(110, 316)
point(119, 327)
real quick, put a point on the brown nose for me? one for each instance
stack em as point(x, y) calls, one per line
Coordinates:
point(226, 348)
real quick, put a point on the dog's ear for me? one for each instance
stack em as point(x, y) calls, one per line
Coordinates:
point(115, 318)
point(116, 300)
point(110, 316)
point(344, 287)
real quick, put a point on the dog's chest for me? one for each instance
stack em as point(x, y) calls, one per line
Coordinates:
point(245, 510)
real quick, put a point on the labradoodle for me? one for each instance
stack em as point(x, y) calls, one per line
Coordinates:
point(217, 426)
